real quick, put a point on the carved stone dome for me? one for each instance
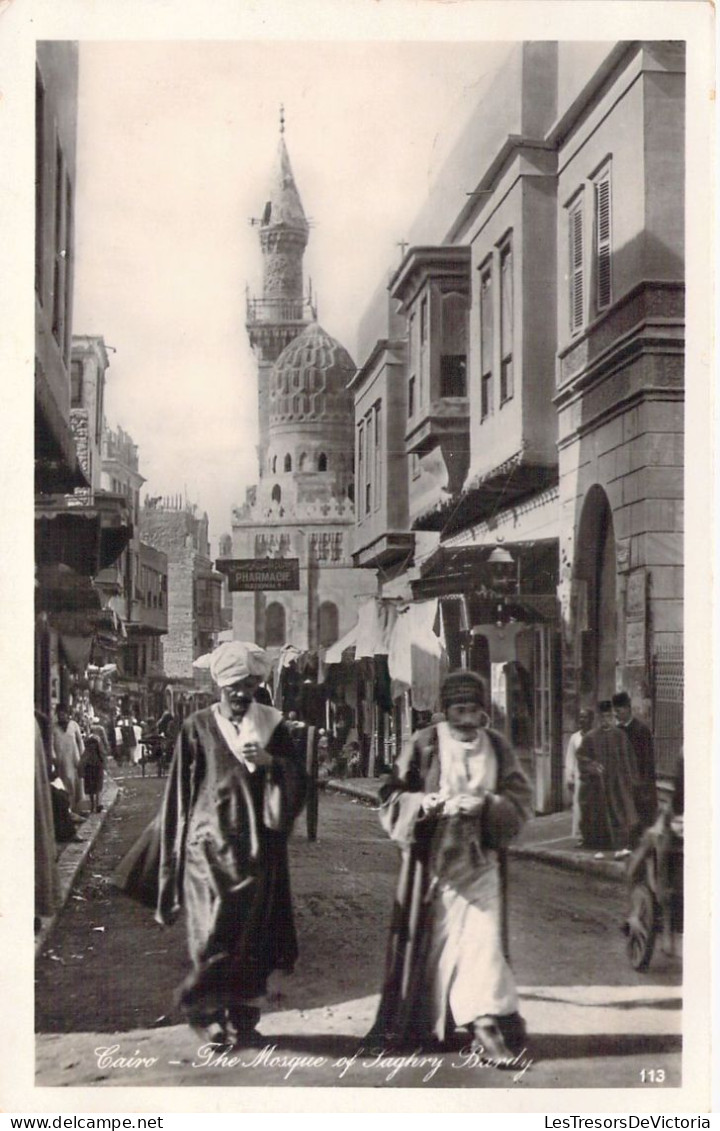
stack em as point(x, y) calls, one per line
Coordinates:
point(309, 380)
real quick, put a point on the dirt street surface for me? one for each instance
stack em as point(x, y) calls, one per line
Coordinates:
point(106, 976)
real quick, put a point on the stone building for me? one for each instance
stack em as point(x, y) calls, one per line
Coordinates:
point(303, 504)
point(194, 593)
point(620, 382)
point(527, 356)
point(138, 584)
point(79, 530)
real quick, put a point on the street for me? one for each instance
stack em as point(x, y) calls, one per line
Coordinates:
point(106, 975)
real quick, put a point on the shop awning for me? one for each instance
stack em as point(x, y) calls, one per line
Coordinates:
point(370, 636)
point(416, 659)
point(487, 491)
point(87, 536)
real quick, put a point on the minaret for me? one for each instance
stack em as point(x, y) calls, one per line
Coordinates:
point(282, 312)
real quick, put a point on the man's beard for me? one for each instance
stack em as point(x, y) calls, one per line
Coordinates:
point(239, 705)
point(466, 734)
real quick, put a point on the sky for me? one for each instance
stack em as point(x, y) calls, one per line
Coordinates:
point(176, 146)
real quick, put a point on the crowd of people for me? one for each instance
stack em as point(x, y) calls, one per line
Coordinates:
point(610, 774)
point(237, 778)
point(72, 753)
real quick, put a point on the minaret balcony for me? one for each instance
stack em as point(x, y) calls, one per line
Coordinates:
point(261, 310)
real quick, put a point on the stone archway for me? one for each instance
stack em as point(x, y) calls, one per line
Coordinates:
point(596, 572)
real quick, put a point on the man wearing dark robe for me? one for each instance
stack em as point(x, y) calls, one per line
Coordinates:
point(641, 740)
point(234, 789)
point(608, 775)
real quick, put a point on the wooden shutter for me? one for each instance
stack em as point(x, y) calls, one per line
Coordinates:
point(486, 323)
point(603, 261)
point(577, 296)
point(506, 323)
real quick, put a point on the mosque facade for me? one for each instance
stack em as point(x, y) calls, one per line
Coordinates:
point(303, 505)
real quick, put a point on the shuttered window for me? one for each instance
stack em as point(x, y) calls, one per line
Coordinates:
point(603, 249)
point(486, 342)
point(378, 455)
point(361, 465)
point(577, 289)
point(506, 324)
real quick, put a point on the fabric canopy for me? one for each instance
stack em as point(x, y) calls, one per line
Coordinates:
point(335, 651)
point(376, 620)
point(416, 658)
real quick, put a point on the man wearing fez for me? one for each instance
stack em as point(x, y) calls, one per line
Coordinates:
point(641, 740)
point(456, 797)
point(234, 789)
point(607, 785)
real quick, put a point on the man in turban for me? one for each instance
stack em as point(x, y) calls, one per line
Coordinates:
point(608, 776)
point(234, 789)
point(457, 796)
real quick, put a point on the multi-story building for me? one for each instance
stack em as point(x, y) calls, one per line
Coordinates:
point(302, 507)
point(79, 531)
point(536, 387)
point(194, 594)
point(137, 586)
point(620, 379)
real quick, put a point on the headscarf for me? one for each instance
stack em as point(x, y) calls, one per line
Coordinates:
point(235, 660)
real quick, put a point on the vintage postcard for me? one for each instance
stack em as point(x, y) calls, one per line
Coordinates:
point(364, 587)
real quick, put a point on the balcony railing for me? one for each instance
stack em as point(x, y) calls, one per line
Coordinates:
point(279, 310)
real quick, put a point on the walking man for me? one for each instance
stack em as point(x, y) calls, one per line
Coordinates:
point(68, 748)
point(572, 773)
point(641, 739)
point(234, 789)
point(456, 798)
point(607, 785)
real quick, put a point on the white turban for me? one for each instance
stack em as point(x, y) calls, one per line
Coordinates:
point(235, 660)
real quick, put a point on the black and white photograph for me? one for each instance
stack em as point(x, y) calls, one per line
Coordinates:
point(369, 576)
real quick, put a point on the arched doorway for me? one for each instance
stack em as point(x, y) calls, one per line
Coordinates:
point(596, 606)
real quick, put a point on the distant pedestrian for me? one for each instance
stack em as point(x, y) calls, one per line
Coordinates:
point(456, 798)
point(572, 774)
point(98, 730)
point(92, 767)
point(641, 740)
point(607, 783)
point(168, 728)
point(68, 748)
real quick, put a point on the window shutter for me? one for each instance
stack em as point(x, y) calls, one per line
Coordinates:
point(602, 250)
point(486, 320)
point(577, 298)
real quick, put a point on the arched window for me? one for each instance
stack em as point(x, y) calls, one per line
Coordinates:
point(273, 466)
point(351, 492)
point(288, 462)
point(303, 461)
point(322, 462)
point(327, 624)
point(274, 625)
point(276, 493)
